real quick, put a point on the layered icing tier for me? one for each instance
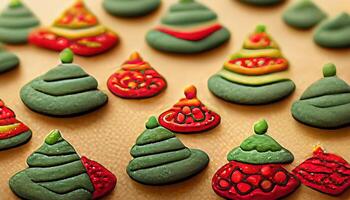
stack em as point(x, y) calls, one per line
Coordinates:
point(8, 60)
point(130, 8)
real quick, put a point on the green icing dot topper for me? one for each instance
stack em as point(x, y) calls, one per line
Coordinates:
point(261, 127)
point(186, 1)
point(152, 123)
point(329, 70)
point(260, 28)
point(67, 56)
point(53, 137)
point(15, 3)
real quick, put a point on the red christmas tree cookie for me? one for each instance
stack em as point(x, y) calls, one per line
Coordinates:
point(136, 79)
point(189, 115)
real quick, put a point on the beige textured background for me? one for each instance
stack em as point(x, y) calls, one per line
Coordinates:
point(107, 134)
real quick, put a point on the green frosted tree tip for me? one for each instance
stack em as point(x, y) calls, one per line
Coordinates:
point(53, 137)
point(152, 123)
point(329, 70)
point(186, 1)
point(261, 127)
point(15, 3)
point(260, 28)
point(67, 56)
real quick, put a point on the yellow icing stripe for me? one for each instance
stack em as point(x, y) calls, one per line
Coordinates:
point(245, 53)
point(192, 28)
point(78, 33)
point(7, 128)
point(254, 80)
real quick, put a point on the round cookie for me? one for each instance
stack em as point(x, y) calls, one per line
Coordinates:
point(305, 14)
point(334, 33)
point(326, 103)
point(57, 172)
point(160, 158)
point(262, 2)
point(8, 60)
point(16, 22)
point(188, 27)
point(255, 75)
point(130, 8)
point(66, 90)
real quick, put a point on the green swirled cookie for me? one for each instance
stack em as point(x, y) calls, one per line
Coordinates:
point(262, 2)
point(130, 8)
point(65, 90)
point(326, 103)
point(8, 60)
point(188, 27)
point(160, 158)
point(260, 148)
point(16, 21)
point(304, 14)
point(334, 33)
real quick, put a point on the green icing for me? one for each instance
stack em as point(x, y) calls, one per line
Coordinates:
point(8, 61)
point(130, 8)
point(16, 140)
point(304, 15)
point(152, 123)
point(261, 127)
point(329, 70)
point(67, 56)
point(52, 176)
point(262, 2)
point(334, 33)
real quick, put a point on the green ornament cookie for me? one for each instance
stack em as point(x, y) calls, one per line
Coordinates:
point(160, 158)
point(262, 2)
point(188, 27)
point(326, 103)
point(304, 14)
point(130, 8)
point(334, 33)
point(65, 90)
point(16, 22)
point(257, 74)
point(260, 149)
point(8, 60)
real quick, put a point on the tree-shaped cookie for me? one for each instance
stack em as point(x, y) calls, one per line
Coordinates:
point(57, 172)
point(188, 27)
point(254, 170)
point(65, 90)
point(134, 8)
point(12, 131)
point(257, 74)
point(8, 60)
point(136, 79)
point(78, 29)
point(160, 158)
point(189, 115)
point(16, 22)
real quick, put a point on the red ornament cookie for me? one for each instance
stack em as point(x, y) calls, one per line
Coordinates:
point(78, 29)
point(325, 172)
point(136, 79)
point(189, 115)
point(241, 181)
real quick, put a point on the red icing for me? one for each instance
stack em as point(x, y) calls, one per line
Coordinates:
point(49, 40)
point(258, 62)
point(260, 38)
point(189, 115)
point(102, 179)
point(242, 181)
point(192, 36)
point(325, 172)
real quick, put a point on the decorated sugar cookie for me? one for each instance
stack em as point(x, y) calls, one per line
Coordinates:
point(160, 158)
point(325, 172)
point(16, 22)
point(136, 79)
point(257, 74)
point(134, 8)
point(304, 14)
point(12, 131)
point(65, 90)
point(188, 27)
point(8, 60)
point(189, 115)
point(262, 2)
point(57, 172)
point(78, 29)
point(254, 171)
point(335, 32)
point(326, 103)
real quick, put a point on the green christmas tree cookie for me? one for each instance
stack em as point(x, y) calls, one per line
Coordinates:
point(260, 149)
point(130, 8)
point(16, 22)
point(326, 103)
point(8, 60)
point(65, 90)
point(161, 158)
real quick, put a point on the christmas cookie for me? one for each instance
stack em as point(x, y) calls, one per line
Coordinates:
point(304, 14)
point(8, 60)
point(57, 172)
point(65, 90)
point(262, 2)
point(254, 172)
point(16, 21)
point(136, 79)
point(334, 33)
point(257, 74)
point(78, 29)
point(326, 103)
point(160, 158)
point(325, 172)
point(12, 132)
point(189, 115)
point(133, 8)
point(188, 27)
